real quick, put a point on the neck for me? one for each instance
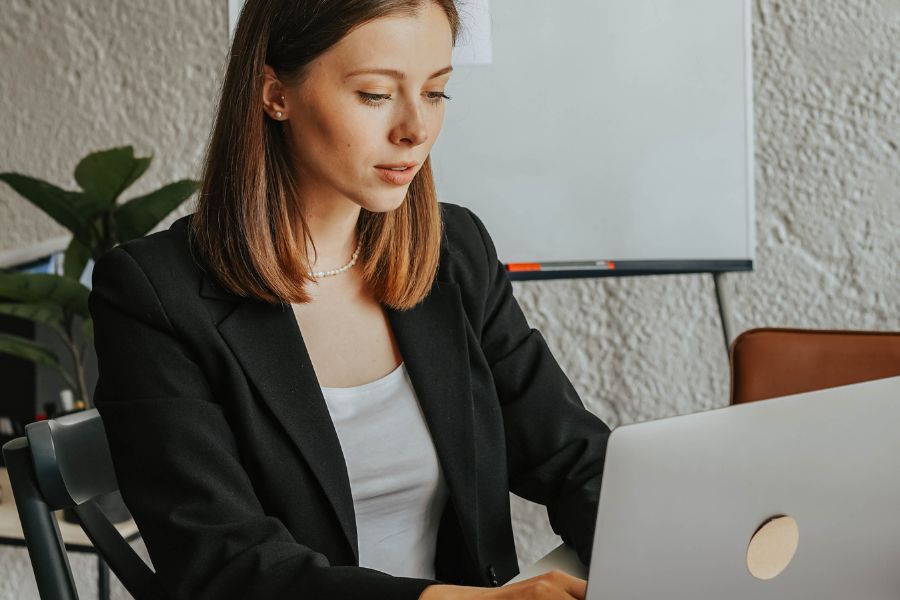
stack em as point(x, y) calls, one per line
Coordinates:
point(332, 226)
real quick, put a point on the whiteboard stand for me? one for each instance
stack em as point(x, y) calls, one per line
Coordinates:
point(724, 312)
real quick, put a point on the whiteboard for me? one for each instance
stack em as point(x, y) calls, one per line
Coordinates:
point(607, 131)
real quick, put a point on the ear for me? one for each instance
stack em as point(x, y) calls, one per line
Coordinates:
point(273, 99)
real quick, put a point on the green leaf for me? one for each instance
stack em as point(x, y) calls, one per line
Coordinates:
point(106, 174)
point(70, 295)
point(87, 328)
point(40, 312)
point(76, 258)
point(29, 350)
point(72, 210)
point(137, 217)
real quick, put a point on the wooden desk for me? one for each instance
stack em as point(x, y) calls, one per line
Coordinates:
point(74, 537)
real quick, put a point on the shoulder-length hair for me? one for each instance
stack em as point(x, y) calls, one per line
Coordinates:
point(246, 222)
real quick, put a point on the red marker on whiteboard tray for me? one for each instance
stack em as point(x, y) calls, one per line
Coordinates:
point(580, 265)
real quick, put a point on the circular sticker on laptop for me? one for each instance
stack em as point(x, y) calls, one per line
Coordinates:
point(772, 547)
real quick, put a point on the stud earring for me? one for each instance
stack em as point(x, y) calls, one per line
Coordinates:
point(279, 114)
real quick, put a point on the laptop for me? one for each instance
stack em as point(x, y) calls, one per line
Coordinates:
point(795, 497)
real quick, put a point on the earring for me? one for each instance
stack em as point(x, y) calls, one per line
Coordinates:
point(279, 114)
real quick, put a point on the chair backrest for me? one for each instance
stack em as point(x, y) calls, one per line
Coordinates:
point(66, 463)
point(769, 363)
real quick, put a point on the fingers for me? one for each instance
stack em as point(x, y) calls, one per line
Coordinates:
point(554, 585)
point(577, 588)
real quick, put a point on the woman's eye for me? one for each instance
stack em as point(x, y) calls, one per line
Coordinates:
point(374, 99)
point(437, 97)
point(381, 99)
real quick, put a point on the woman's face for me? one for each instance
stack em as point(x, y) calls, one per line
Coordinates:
point(345, 124)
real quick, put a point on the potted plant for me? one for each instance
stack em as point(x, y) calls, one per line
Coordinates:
point(98, 221)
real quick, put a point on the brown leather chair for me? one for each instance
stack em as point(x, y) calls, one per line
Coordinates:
point(768, 363)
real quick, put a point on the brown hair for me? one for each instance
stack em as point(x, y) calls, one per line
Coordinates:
point(247, 211)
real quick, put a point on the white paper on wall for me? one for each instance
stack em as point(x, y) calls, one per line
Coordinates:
point(234, 9)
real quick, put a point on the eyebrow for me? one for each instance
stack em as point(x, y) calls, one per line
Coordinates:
point(394, 73)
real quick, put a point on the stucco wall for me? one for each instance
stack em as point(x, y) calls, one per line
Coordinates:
point(84, 75)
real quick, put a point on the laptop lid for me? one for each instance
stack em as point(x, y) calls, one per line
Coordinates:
point(683, 497)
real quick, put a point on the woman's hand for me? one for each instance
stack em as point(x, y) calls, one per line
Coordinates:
point(554, 585)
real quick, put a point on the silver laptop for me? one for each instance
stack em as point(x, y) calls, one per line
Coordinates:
point(797, 497)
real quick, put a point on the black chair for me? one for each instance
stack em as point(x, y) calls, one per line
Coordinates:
point(66, 463)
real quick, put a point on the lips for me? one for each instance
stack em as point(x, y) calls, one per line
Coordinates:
point(397, 165)
point(397, 177)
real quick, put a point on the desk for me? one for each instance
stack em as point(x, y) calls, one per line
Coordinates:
point(563, 558)
point(74, 537)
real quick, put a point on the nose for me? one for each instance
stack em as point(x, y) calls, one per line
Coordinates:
point(411, 129)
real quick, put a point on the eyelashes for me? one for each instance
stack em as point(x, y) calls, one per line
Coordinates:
point(378, 100)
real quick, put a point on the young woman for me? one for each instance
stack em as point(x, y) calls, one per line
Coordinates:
point(319, 385)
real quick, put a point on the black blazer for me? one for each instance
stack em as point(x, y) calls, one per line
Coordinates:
point(228, 458)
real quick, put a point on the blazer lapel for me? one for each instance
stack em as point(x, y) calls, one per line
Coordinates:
point(431, 336)
point(432, 340)
point(267, 342)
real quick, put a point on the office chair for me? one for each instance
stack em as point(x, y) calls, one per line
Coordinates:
point(61, 463)
point(768, 362)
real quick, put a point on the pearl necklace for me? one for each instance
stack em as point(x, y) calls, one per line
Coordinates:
point(349, 265)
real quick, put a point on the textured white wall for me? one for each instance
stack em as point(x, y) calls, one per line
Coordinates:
point(84, 75)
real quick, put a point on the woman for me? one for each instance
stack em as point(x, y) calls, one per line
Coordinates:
point(320, 385)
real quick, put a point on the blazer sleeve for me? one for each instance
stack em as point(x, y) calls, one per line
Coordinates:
point(555, 447)
point(179, 468)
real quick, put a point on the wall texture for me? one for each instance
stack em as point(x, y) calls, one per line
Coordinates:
point(85, 75)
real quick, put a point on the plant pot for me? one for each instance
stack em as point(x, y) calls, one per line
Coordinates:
point(110, 505)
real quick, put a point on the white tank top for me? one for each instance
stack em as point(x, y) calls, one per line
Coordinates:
point(396, 481)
